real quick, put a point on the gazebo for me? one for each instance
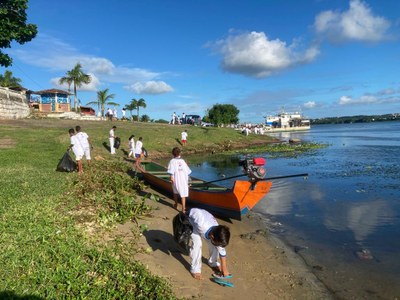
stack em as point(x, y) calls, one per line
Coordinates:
point(52, 100)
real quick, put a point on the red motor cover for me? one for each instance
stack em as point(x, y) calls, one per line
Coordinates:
point(259, 161)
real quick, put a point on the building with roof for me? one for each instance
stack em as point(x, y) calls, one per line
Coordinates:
point(52, 100)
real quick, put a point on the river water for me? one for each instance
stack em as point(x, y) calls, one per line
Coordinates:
point(344, 220)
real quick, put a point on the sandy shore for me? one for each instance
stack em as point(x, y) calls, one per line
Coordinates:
point(262, 267)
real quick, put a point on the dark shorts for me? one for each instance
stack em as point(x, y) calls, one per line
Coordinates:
point(137, 155)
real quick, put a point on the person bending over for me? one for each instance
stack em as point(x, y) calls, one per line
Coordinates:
point(206, 227)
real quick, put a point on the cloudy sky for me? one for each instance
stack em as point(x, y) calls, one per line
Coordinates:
point(321, 57)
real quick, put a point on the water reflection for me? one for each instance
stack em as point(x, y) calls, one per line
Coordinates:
point(350, 200)
point(362, 218)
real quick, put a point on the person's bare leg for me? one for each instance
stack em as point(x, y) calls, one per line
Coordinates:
point(176, 201)
point(138, 166)
point(80, 169)
point(183, 204)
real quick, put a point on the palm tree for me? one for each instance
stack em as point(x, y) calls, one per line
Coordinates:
point(130, 107)
point(137, 104)
point(78, 78)
point(103, 98)
point(8, 80)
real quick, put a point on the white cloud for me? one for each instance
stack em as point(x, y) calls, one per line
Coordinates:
point(150, 87)
point(310, 104)
point(53, 54)
point(345, 100)
point(358, 23)
point(92, 86)
point(253, 54)
point(384, 96)
point(365, 99)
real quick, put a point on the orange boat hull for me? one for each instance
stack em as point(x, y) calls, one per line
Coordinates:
point(224, 202)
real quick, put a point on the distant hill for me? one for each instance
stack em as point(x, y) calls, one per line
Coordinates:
point(357, 119)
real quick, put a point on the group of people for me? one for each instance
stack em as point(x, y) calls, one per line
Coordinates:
point(205, 226)
point(178, 120)
point(80, 145)
point(112, 114)
point(246, 130)
point(136, 150)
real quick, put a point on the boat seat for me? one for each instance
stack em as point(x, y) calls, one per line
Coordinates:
point(167, 176)
point(210, 188)
point(197, 181)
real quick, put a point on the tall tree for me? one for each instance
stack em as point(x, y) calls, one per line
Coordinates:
point(223, 114)
point(137, 104)
point(103, 98)
point(77, 78)
point(8, 80)
point(13, 27)
point(130, 107)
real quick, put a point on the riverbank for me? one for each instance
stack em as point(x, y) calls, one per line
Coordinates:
point(31, 149)
point(263, 267)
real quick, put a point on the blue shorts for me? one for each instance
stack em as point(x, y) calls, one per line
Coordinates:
point(137, 155)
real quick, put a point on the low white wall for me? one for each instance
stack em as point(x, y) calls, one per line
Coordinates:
point(13, 105)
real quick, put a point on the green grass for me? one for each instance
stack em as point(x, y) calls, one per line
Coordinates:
point(44, 254)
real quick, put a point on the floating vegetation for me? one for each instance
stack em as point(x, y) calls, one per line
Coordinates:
point(277, 150)
point(292, 150)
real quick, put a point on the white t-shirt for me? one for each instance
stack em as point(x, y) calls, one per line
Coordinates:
point(132, 144)
point(138, 147)
point(184, 136)
point(178, 168)
point(76, 148)
point(112, 135)
point(202, 221)
point(83, 139)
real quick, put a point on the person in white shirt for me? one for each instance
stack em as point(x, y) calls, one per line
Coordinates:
point(112, 139)
point(110, 114)
point(115, 114)
point(184, 136)
point(206, 227)
point(76, 148)
point(85, 142)
point(179, 175)
point(131, 146)
point(138, 154)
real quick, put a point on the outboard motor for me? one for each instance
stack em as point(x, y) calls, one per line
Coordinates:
point(254, 167)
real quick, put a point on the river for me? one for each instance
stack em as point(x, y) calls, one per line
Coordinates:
point(344, 220)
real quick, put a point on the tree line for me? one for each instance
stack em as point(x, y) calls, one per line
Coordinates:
point(356, 119)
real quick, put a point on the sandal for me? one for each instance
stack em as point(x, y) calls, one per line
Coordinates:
point(221, 276)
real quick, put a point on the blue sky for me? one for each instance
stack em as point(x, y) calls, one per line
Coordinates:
point(321, 57)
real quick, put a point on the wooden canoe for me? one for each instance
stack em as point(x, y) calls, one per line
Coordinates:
point(225, 202)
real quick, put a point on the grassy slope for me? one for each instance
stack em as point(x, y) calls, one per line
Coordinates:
point(43, 253)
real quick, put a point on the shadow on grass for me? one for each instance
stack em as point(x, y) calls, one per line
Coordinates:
point(124, 151)
point(13, 295)
point(179, 141)
point(105, 145)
